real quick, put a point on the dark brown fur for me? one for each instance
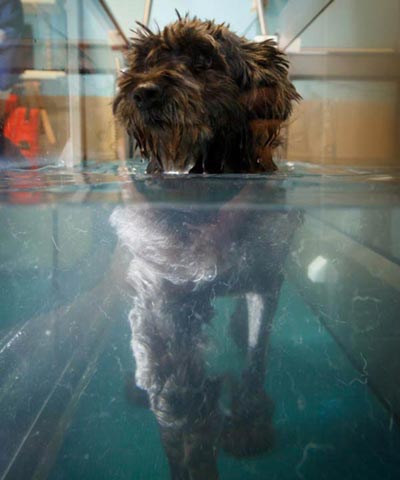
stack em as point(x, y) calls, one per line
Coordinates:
point(215, 102)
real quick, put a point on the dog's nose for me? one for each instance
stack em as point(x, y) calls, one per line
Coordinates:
point(146, 95)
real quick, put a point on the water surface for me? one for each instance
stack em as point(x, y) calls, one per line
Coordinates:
point(333, 359)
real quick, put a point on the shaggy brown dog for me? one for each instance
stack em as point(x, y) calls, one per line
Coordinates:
point(198, 98)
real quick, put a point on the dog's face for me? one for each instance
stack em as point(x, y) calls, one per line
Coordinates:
point(194, 87)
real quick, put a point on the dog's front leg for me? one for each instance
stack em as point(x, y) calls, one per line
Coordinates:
point(248, 430)
point(166, 341)
point(191, 443)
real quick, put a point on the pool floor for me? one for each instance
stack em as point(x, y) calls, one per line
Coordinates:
point(329, 425)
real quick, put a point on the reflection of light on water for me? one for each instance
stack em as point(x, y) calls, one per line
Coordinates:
point(10, 342)
point(382, 178)
point(176, 172)
point(321, 270)
point(255, 306)
point(316, 269)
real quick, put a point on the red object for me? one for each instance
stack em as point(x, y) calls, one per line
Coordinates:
point(22, 128)
point(23, 186)
point(11, 103)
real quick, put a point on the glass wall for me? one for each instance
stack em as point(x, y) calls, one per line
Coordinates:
point(345, 61)
point(59, 65)
point(263, 309)
point(60, 59)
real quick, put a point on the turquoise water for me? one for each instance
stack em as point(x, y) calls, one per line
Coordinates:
point(333, 360)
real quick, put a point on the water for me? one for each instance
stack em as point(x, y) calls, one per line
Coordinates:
point(332, 368)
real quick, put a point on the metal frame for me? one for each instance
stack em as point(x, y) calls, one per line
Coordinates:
point(111, 16)
point(261, 9)
point(74, 154)
point(147, 12)
point(297, 17)
point(75, 151)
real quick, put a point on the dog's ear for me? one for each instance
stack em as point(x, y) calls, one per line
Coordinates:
point(267, 95)
point(263, 78)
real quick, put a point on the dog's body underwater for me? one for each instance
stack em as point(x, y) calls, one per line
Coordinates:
point(199, 99)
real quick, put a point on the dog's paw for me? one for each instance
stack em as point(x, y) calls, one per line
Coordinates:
point(244, 438)
point(248, 430)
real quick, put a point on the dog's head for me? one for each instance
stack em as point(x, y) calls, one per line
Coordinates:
point(191, 92)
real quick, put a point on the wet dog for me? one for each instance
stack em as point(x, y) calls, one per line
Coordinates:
point(199, 99)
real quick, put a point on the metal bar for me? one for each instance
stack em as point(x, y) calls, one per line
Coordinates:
point(398, 121)
point(297, 16)
point(111, 16)
point(82, 34)
point(147, 12)
point(261, 15)
point(74, 154)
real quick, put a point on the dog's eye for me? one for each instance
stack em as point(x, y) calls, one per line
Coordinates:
point(202, 62)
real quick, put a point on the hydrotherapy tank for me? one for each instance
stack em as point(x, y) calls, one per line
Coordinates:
point(68, 406)
point(332, 361)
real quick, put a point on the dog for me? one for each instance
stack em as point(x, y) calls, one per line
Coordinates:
point(199, 99)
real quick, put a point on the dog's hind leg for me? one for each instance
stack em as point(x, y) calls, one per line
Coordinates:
point(167, 344)
point(248, 429)
point(191, 448)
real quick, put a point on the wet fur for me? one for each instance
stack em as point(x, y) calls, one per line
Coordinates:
point(222, 103)
point(177, 269)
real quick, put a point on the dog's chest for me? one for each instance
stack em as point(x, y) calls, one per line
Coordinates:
point(245, 247)
point(230, 249)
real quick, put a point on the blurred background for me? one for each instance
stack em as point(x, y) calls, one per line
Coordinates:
point(59, 61)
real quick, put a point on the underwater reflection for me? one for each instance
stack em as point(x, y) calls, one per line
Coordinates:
point(183, 255)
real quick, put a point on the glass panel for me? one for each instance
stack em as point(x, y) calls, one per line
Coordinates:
point(199, 326)
point(59, 65)
point(346, 64)
point(355, 24)
point(288, 18)
point(267, 304)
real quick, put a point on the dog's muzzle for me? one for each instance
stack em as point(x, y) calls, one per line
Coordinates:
point(147, 95)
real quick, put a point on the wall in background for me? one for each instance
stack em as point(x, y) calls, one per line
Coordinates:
point(351, 117)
